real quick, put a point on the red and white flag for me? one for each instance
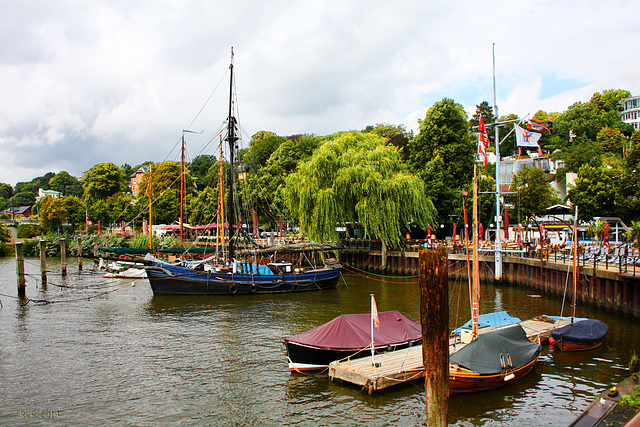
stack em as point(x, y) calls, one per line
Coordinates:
point(87, 220)
point(483, 141)
point(536, 125)
point(374, 312)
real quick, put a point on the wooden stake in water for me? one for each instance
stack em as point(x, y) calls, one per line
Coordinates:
point(43, 263)
point(434, 317)
point(79, 241)
point(22, 283)
point(63, 256)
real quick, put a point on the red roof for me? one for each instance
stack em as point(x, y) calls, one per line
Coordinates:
point(353, 332)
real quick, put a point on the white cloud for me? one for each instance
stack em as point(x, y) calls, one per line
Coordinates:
point(90, 82)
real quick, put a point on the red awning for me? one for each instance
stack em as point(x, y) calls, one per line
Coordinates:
point(353, 331)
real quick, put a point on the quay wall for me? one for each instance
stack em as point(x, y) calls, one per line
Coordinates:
point(612, 289)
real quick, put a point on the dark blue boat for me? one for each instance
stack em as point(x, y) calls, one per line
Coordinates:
point(581, 335)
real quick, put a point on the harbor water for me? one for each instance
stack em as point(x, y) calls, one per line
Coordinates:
point(85, 350)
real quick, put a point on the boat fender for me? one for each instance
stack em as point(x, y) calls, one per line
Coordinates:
point(552, 341)
point(509, 377)
point(233, 289)
point(294, 287)
point(253, 288)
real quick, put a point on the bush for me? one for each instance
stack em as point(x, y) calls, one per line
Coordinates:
point(28, 231)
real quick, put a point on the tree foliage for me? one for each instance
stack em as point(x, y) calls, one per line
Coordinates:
point(444, 147)
point(102, 181)
point(355, 177)
point(533, 192)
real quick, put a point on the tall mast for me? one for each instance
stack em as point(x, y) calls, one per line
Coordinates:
point(575, 264)
point(220, 241)
point(232, 139)
point(182, 194)
point(498, 246)
point(475, 294)
point(150, 217)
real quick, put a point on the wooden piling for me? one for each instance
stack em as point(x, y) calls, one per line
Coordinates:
point(79, 242)
point(22, 283)
point(63, 256)
point(434, 317)
point(43, 262)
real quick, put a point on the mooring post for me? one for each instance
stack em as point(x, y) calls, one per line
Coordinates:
point(22, 283)
point(434, 317)
point(63, 256)
point(43, 262)
point(79, 242)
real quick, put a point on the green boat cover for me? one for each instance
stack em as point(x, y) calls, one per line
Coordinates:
point(142, 251)
point(483, 355)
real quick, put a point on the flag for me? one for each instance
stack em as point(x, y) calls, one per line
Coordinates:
point(506, 224)
point(87, 220)
point(483, 141)
point(525, 138)
point(606, 233)
point(519, 235)
point(536, 125)
point(374, 312)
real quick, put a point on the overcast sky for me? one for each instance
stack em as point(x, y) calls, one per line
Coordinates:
point(87, 82)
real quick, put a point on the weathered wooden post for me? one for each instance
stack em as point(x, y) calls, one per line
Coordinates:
point(43, 262)
point(22, 283)
point(79, 242)
point(63, 256)
point(434, 317)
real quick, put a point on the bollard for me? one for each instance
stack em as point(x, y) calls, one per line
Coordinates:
point(79, 242)
point(22, 283)
point(63, 256)
point(434, 318)
point(43, 263)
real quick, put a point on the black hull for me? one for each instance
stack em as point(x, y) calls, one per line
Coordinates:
point(304, 358)
point(202, 283)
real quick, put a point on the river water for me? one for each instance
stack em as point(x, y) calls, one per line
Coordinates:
point(104, 352)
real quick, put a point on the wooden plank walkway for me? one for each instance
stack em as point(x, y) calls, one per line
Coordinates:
point(400, 366)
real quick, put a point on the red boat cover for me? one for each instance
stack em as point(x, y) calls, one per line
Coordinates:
point(353, 332)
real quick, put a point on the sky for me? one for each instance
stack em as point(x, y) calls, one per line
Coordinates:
point(92, 81)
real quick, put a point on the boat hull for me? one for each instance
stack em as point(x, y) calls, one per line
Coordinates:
point(461, 381)
point(167, 279)
point(582, 335)
point(568, 346)
point(308, 358)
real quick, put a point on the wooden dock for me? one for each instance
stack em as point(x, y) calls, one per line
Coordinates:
point(400, 366)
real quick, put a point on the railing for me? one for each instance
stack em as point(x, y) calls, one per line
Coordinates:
point(624, 257)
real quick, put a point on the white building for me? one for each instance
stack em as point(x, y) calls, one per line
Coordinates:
point(631, 111)
point(44, 193)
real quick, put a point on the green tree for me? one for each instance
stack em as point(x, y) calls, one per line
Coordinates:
point(611, 140)
point(6, 191)
point(595, 191)
point(203, 209)
point(267, 184)
point(356, 177)
point(102, 180)
point(395, 135)
point(199, 168)
point(76, 211)
point(66, 184)
point(100, 211)
point(445, 142)
point(534, 194)
point(261, 146)
point(52, 213)
point(486, 111)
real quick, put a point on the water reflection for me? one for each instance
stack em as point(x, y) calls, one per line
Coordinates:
point(120, 354)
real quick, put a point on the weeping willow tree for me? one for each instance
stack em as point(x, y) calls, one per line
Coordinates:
point(355, 177)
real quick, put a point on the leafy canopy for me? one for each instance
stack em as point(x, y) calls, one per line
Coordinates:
point(356, 177)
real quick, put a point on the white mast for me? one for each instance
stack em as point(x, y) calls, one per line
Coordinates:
point(498, 248)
